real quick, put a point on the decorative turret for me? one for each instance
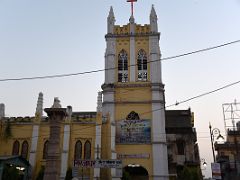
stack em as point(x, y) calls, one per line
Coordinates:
point(39, 109)
point(99, 102)
point(56, 103)
point(2, 111)
point(111, 21)
point(153, 20)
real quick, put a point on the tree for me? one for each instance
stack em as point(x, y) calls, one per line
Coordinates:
point(69, 174)
point(188, 173)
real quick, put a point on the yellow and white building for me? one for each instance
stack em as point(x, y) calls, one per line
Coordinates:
point(129, 123)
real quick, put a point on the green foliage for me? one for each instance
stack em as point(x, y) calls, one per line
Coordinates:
point(8, 131)
point(41, 173)
point(10, 173)
point(69, 174)
point(189, 173)
point(126, 176)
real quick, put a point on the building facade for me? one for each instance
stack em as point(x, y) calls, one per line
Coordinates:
point(228, 154)
point(130, 124)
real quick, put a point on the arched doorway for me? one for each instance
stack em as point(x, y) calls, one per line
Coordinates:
point(134, 172)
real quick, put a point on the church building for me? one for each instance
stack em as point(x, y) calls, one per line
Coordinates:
point(129, 125)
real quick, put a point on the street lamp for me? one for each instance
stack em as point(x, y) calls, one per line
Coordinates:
point(215, 133)
point(204, 164)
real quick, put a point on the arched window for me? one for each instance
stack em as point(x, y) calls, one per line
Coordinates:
point(15, 150)
point(122, 66)
point(87, 150)
point(142, 65)
point(45, 149)
point(24, 152)
point(78, 150)
point(181, 147)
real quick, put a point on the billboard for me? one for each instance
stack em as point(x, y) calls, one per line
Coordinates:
point(216, 171)
point(133, 132)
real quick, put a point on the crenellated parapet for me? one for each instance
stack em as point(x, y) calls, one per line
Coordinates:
point(25, 119)
point(139, 29)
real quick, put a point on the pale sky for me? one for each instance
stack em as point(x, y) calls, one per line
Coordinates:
point(45, 37)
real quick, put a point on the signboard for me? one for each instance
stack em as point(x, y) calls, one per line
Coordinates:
point(75, 172)
point(216, 171)
point(133, 132)
point(98, 163)
point(133, 156)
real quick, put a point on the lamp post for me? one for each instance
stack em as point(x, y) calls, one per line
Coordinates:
point(214, 133)
point(204, 164)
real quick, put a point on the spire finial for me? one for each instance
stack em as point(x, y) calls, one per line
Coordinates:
point(56, 103)
point(153, 12)
point(153, 20)
point(110, 21)
point(39, 109)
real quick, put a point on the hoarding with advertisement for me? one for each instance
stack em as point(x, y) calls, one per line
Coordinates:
point(133, 132)
point(216, 170)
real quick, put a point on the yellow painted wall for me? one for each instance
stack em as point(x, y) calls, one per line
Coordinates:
point(20, 132)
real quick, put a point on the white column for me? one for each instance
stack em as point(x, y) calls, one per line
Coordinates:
point(132, 50)
point(159, 145)
point(109, 108)
point(155, 55)
point(97, 150)
point(35, 134)
point(132, 60)
point(65, 150)
point(110, 61)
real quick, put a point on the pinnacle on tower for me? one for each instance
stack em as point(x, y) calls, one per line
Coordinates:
point(56, 103)
point(39, 109)
point(111, 21)
point(99, 102)
point(2, 110)
point(153, 20)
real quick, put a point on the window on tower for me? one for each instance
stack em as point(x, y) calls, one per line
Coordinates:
point(142, 65)
point(78, 150)
point(16, 146)
point(24, 152)
point(87, 150)
point(122, 66)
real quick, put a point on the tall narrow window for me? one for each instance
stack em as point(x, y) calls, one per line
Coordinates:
point(78, 150)
point(87, 150)
point(180, 147)
point(15, 150)
point(142, 65)
point(24, 152)
point(122, 66)
point(45, 149)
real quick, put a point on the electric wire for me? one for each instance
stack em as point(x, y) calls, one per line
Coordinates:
point(175, 104)
point(100, 70)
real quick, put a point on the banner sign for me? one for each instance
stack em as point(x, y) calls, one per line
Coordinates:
point(133, 156)
point(98, 163)
point(133, 132)
point(216, 171)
